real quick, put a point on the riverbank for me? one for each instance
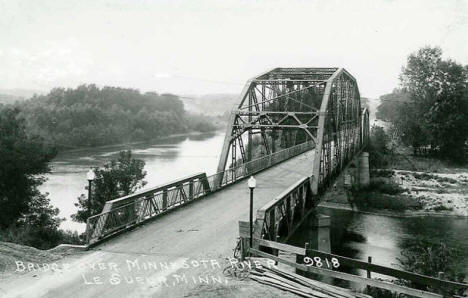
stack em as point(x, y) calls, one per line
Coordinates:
point(168, 137)
point(409, 187)
point(387, 213)
point(10, 253)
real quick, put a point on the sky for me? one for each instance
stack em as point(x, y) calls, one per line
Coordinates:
point(200, 47)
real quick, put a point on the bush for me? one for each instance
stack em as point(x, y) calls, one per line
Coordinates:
point(428, 258)
point(119, 177)
point(378, 147)
point(442, 208)
point(382, 194)
point(383, 173)
point(38, 237)
point(427, 176)
point(384, 186)
point(380, 293)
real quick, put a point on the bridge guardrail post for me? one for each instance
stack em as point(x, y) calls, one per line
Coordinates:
point(300, 258)
point(88, 228)
point(191, 190)
point(164, 200)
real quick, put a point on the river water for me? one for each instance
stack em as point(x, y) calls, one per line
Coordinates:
point(355, 235)
point(359, 235)
point(165, 160)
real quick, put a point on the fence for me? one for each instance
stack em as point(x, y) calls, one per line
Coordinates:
point(335, 261)
point(136, 208)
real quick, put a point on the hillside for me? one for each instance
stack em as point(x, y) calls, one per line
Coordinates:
point(10, 96)
point(12, 252)
point(91, 116)
point(9, 99)
point(210, 104)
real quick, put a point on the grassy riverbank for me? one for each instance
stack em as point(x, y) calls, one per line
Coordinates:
point(409, 186)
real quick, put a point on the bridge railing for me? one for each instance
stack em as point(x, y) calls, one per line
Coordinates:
point(233, 174)
point(136, 208)
point(278, 218)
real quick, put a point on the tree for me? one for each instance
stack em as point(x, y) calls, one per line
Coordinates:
point(26, 215)
point(23, 158)
point(377, 146)
point(118, 177)
point(388, 110)
point(438, 111)
point(92, 116)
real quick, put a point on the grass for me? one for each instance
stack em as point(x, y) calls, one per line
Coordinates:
point(384, 194)
point(427, 176)
point(383, 173)
point(442, 208)
point(384, 186)
point(39, 237)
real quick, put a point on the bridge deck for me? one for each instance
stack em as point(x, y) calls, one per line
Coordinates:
point(204, 230)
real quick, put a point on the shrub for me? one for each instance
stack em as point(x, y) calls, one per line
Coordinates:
point(38, 236)
point(381, 194)
point(442, 208)
point(383, 173)
point(428, 258)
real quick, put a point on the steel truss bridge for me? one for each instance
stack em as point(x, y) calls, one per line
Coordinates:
point(287, 106)
point(282, 114)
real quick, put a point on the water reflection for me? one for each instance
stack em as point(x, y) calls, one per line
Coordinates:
point(165, 160)
point(358, 235)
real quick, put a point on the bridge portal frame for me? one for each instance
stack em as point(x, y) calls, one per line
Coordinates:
point(322, 103)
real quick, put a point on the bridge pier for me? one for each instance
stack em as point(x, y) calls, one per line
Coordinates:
point(319, 237)
point(364, 175)
point(317, 233)
point(357, 174)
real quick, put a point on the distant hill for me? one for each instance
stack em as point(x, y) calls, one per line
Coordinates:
point(214, 104)
point(91, 116)
point(22, 93)
point(9, 99)
point(219, 104)
point(9, 96)
point(364, 102)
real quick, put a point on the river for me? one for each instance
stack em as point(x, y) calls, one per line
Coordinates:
point(359, 235)
point(165, 160)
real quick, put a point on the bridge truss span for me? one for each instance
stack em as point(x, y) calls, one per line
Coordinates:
point(288, 106)
point(343, 129)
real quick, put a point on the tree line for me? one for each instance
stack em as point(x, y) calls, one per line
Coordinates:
point(430, 110)
point(92, 116)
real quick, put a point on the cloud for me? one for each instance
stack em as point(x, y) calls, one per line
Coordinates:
point(162, 76)
point(45, 65)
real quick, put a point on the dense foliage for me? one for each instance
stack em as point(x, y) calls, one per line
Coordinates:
point(118, 177)
point(378, 147)
point(22, 157)
point(426, 257)
point(26, 215)
point(390, 105)
point(431, 111)
point(92, 116)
